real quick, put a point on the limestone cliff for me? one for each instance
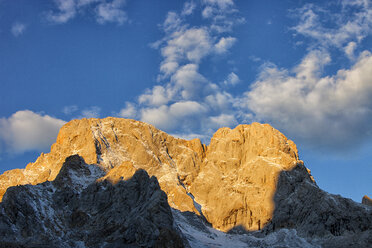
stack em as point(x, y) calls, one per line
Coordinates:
point(230, 182)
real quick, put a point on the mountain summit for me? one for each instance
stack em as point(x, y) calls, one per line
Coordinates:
point(248, 180)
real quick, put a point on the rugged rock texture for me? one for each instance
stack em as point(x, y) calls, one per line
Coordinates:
point(247, 179)
point(301, 205)
point(366, 200)
point(75, 211)
point(244, 162)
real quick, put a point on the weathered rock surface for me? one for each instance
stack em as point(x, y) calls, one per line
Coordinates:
point(244, 162)
point(366, 200)
point(247, 179)
point(301, 205)
point(75, 211)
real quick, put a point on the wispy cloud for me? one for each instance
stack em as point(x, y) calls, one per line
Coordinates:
point(18, 29)
point(91, 112)
point(27, 131)
point(232, 79)
point(66, 11)
point(104, 11)
point(332, 111)
point(188, 101)
point(111, 12)
point(351, 24)
point(68, 110)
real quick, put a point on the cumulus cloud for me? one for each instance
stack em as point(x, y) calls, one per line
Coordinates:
point(352, 24)
point(224, 44)
point(331, 110)
point(232, 79)
point(27, 131)
point(18, 29)
point(155, 97)
point(178, 114)
point(223, 120)
point(129, 111)
point(185, 101)
point(105, 11)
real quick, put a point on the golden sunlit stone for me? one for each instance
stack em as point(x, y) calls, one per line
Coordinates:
point(233, 179)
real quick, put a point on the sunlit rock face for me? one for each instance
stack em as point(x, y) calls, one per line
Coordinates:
point(230, 182)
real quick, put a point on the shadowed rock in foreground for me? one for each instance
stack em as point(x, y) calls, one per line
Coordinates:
point(317, 215)
point(248, 180)
point(75, 211)
point(366, 200)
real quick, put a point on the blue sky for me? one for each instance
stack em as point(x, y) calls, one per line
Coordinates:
point(191, 67)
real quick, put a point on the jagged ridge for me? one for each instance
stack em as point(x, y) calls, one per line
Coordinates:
point(249, 177)
point(75, 211)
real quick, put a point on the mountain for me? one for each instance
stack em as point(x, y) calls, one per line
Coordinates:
point(247, 187)
point(366, 200)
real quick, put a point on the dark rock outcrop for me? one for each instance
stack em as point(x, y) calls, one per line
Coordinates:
point(76, 211)
point(316, 214)
point(366, 200)
point(248, 180)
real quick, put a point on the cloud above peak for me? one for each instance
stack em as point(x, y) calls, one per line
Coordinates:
point(186, 101)
point(28, 131)
point(329, 111)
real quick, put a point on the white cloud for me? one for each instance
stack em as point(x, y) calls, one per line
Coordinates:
point(18, 29)
point(188, 8)
point(129, 111)
point(172, 23)
point(66, 11)
point(333, 111)
point(68, 110)
point(221, 4)
point(159, 117)
point(352, 24)
point(179, 116)
point(155, 97)
point(26, 131)
point(192, 44)
point(189, 82)
point(223, 120)
point(186, 100)
point(222, 14)
point(232, 79)
point(111, 12)
point(224, 44)
point(92, 112)
point(105, 11)
point(350, 49)
point(219, 101)
point(186, 109)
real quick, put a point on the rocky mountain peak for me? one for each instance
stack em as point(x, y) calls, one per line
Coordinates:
point(249, 178)
point(245, 162)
